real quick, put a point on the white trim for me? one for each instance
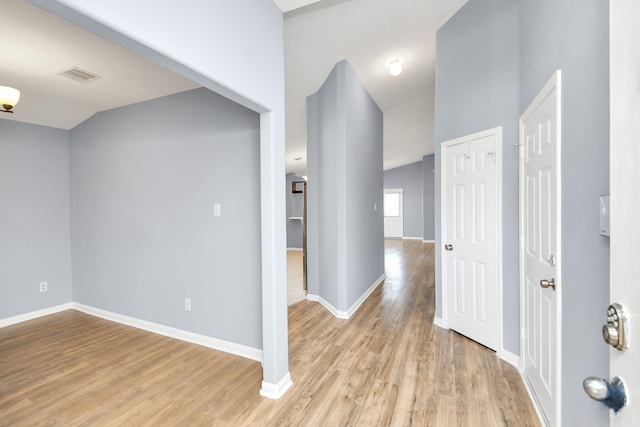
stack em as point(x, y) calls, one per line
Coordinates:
point(555, 82)
point(534, 400)
point(510, 358)
point(437, 321)
point(34, 314)
point(295, 249)
point(340, 314)
point(276, 391)
point(205, 341)
point(411, 238)
point(497, 132)
point(356, 305)
point(428, 241)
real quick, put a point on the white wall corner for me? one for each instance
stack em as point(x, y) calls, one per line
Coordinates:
point(439, 322)
point(34, 314)
point(276, 391)
point(191, 337)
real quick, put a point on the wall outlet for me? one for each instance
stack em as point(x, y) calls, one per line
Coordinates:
point(187, 304)
point(44, 286)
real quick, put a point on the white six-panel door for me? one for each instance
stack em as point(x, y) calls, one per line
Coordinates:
point(470, 224)
point(540, 257)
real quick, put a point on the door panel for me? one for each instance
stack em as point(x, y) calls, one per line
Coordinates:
point(470, 212)
point(393, 215)
point(540, 213)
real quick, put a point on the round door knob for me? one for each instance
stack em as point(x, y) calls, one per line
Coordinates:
point(610, 334)
point(448, 247)
point(548, 283)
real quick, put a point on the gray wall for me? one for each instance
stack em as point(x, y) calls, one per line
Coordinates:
point(428, 197)
point(34, 218)
point(493, 57)
point(144, 180)
point(345, 182)
point(576, 40)
point(409, 179)
point(295, 207)
point(477, 89)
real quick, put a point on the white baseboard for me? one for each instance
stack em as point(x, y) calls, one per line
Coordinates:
point(276, 391)
point(356, 305)
point(341, 314)
point(510, 358)
point(428, 241)
point(439, 322)
point(203, 340)
point(34, 314)
point(411, 238)
point(295, 249)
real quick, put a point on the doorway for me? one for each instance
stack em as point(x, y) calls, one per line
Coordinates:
point(393, 214)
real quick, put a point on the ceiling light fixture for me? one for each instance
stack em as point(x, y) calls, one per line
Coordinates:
point(8, 98)
point(395, 67)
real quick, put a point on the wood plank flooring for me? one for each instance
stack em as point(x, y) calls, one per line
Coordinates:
point(386, 366)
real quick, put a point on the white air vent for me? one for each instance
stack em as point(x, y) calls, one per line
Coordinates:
point(81, 76)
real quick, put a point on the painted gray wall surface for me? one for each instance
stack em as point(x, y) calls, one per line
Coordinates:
point(144, 180)
point(576, 40)
point(295, 207)
point(345, 180)
point(474, 94)
point(34, 218)
point(409, 179)
point(477, 89)
point(428, 197)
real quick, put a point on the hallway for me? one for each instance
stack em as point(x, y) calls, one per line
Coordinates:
point(386, 366)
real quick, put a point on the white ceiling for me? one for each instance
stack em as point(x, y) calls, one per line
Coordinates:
point(368, 33)
point(36, 46)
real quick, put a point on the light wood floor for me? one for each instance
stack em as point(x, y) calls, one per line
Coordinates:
point(386, 366)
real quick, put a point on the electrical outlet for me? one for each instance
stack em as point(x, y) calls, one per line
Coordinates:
point(44, 286)
point(187, 304)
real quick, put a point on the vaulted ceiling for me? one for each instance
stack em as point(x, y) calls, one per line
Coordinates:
point(37, 47)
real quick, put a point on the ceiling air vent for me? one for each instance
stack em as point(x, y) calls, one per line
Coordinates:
point(81, 76)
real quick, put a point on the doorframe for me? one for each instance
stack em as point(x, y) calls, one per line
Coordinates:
point(497, 132)
point(555, 82)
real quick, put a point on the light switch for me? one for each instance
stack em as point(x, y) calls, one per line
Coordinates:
point(216, 209)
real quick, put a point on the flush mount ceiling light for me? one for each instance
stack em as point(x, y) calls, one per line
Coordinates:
point(395, 67)
point(8, 98)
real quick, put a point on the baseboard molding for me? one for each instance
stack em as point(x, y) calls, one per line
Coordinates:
point(203, 340)
point(428, 241)
point(534, 400)
point(341, 314)
point(439, 322)
point(34, 314)
point(356, 305)
point(295, 249)
point(510, 358)
point(276, 391)
point(411, 238)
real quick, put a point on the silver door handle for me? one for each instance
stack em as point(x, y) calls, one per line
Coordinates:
point(448, 247)
point(548, 283)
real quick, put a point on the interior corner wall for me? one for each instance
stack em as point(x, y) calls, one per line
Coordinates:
point(295, 207)
point(428, 197)
point(345, 183)
point(477, 89)
point(144, 181)
point(409, 179)
point(576, 40)
point(34, 218)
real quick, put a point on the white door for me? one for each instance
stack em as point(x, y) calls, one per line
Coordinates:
point(539, 246)
point(393, 219)
point(625, 196)
point(470, 233)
